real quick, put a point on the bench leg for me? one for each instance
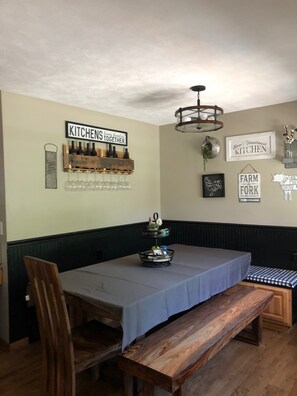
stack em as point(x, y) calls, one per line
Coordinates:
point(253, 334)
point(180, 392)
point(128, 384)
point(148, 389)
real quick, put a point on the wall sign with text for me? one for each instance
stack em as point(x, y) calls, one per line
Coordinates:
point(249, 187)
point(92, 133)
point(247, 147)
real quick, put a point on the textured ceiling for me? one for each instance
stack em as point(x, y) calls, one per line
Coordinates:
point(138, 58)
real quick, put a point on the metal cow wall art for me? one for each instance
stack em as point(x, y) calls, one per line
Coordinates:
point(287, 183)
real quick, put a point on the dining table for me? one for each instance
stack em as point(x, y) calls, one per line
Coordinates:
point(141, 297)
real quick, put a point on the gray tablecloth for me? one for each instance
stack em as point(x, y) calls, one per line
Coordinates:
point(145, 297)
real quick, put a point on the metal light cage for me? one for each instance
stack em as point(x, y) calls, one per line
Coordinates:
point(200, 118)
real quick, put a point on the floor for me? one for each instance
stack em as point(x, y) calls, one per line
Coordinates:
point(238, 370)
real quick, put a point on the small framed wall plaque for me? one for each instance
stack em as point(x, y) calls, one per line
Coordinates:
point(251, 147)
point(249, 185)
point(213, 186)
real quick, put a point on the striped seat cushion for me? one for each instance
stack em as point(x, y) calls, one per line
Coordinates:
point(272, 276)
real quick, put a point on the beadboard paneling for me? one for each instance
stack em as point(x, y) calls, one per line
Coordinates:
point(269, 245)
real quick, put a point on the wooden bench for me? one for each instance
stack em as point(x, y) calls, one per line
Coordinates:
point(167, 357)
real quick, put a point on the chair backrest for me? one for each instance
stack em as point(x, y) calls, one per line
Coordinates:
point(58, 371)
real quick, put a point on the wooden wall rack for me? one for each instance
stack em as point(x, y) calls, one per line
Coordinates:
point(96, 164)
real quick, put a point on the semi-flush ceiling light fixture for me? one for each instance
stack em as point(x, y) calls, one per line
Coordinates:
point(199, 118)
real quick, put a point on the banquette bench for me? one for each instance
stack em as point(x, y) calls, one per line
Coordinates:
point(279, 312)
point(170, 355)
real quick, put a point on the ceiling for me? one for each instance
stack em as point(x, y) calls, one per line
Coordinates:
point(138, 58)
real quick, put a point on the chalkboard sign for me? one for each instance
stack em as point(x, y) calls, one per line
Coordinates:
point(213, 185)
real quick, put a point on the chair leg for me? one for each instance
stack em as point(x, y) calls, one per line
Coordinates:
point(95, 372)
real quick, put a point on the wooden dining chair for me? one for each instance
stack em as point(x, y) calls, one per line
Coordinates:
point(65, 351)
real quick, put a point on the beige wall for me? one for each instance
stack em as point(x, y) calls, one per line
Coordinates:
point(3, 255)
point(32, 210)
point(182, 168)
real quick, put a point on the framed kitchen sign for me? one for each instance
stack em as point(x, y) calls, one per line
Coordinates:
point(75, 130)
point(250, 147)
point(213, 186)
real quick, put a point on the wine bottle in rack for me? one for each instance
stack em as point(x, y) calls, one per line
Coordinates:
point(93, 152)
point(72, 149)
point(88, 150)
point(109, 152)
point(114, 152)
point(80, 149)
point(126, 154)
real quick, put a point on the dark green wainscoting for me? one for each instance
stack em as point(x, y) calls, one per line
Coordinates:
point(269, 245)
point(69, 251)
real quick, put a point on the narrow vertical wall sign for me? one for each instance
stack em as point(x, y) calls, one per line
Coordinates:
point(249, 186)
point(50, 165)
